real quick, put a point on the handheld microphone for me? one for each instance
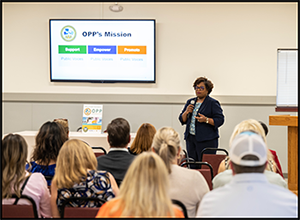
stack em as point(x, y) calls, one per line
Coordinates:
point(192, 102)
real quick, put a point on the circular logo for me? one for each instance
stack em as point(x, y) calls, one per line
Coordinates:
point(68, 33)
point(87, 111)
point(85, 129)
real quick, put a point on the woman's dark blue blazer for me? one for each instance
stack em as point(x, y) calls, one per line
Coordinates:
point(210, 108)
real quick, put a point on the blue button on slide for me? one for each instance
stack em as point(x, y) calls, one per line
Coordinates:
point(102, 49)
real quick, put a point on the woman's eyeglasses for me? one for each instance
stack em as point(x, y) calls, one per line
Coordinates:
point(201, 88)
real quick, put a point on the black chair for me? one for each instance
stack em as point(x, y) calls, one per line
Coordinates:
point(97, 154)
point(187, 159)
point(213, 159)
point(207, 173)
point(182, 206)
point(20, 211)
point(68, 211)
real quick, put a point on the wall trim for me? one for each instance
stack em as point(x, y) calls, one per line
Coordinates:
point(131, 98)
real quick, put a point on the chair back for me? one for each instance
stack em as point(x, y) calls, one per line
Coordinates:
point(207, 173)
point(20, 211)
point(213, 159)
point(80, 212)
point(49, 178)
point(187, 159)
point(181, 206)
point(97, 154)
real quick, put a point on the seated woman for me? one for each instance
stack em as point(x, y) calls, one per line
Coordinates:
point(49, 140)
point(64, 122)
point(76, 175)
point(143, 139)
point(144, 191)
point(225, 173)
point(14, 152)
point(186, 185)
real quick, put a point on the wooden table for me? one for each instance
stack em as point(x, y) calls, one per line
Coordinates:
point(292, 123)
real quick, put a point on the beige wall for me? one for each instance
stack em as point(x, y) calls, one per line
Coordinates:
point(234, 44)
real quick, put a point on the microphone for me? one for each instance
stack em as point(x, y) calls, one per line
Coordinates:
point(192, 102)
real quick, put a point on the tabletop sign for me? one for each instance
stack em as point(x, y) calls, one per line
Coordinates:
point(92, 118)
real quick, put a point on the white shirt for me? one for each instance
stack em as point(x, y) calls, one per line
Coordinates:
point(226, 176)
point(188, 186)
point(249, 195)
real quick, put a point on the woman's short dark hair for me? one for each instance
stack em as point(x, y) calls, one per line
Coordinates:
point(118, 132)
point(49, 140)
point(208, 84)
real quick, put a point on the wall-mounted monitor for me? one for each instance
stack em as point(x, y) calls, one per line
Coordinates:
point(102, 50)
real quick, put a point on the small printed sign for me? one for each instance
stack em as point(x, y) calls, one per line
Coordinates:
point(92, 118)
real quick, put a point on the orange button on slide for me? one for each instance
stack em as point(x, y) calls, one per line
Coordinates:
point(132, 50)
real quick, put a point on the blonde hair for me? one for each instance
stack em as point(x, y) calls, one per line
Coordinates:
point(143, 139)
point(255, 126)
point(144, 190)
point(64, 123)
point(166, 143)
point(73, 160)
point(14, 158)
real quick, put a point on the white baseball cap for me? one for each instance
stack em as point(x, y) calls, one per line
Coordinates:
point(248, 143)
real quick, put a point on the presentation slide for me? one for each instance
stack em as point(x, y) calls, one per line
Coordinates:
point(102, 50)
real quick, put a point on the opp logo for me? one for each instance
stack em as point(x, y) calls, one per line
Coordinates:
point(87, 111)
point(68, 33)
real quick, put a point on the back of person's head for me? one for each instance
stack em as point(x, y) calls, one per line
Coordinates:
point(64, 122)
point(14, 157)
point(49, 140)
point(248, 153)
point(248, 125)
point(255, 126)
point(143, 138)
point(118, 132)
point(265, 127)
point(166, 143)
point(144, 190)
point(73, 160)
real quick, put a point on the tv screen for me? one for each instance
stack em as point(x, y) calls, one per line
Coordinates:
point(102, 50)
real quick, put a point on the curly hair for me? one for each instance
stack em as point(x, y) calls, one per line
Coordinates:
point(49, 140)
point(208, 84)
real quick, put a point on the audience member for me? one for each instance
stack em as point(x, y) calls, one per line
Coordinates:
point(64, 122)
point(249, 194)
point(76, 176)
point(49, 140)
point(118, 159)
point(14, 152)
point(143, 139)
point(279, 170)
point(223, 177)
point(144, 191)
point(186, 185)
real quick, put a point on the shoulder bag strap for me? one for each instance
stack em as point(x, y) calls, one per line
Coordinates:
point(24, 184)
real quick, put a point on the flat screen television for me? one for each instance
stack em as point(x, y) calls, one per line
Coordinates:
point(102, 50)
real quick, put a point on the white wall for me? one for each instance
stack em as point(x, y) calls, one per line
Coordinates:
point(234, 44)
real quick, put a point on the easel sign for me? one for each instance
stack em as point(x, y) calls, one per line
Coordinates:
point(92, 119)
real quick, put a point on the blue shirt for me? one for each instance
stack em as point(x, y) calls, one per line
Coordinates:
point(45, 170)
point(192, 126)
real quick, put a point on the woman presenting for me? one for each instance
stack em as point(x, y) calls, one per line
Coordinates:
point(203, 116)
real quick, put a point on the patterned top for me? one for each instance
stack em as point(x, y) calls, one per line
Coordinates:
point(45, 170)
point(193, 120)
point(97, 184)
